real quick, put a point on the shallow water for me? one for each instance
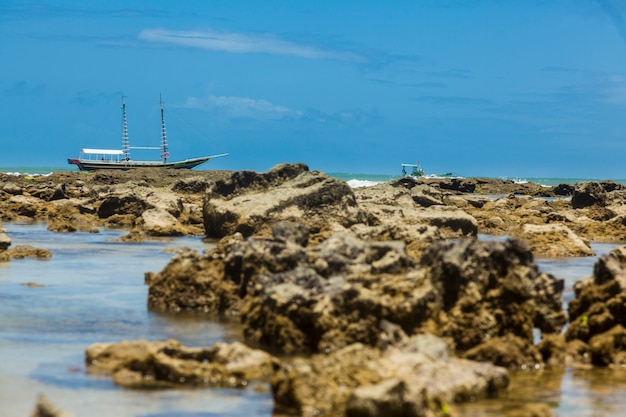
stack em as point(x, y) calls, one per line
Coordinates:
point(93, 291)
point(569, 392)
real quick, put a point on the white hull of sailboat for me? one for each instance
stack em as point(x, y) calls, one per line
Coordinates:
point(97, 159)
point(87, 165)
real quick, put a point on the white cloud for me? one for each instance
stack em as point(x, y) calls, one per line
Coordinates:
point(236, 107)
point(241, 43)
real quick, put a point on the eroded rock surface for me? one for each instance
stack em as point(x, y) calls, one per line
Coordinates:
point(415, 377)
point(24, 251)
point(323, 297)
point(554, 240)
point(45, 408)
point(77, 202)
point(596, 332)
point(250, 203)
point(143, 364)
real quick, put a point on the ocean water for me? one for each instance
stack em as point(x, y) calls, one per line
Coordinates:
point(92, 291)
point(353, 179)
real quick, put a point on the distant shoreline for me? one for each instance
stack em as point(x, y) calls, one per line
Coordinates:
point(356, 179)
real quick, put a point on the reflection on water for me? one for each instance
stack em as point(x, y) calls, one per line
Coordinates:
point(573, 269)
point(92, 291)
point(568, 392)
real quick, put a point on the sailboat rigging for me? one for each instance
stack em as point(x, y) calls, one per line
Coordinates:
point(95, 159)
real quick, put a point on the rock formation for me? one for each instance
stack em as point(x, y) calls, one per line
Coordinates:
point(250, 203)
point(321, 298)
point(596, 331)
point(386, 290)
point(415, 377)
point(143, 364)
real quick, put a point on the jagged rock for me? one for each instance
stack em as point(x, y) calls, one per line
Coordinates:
point(159, 222)
point(413, 378)
point(461, 185)
point(24, 251)
point(598, 313)
point(104, 199)
point(426, 196)
point(588, 194)
point(416, 237)
point(291, 232)
point(135, 198)
point(322, 297)
point(456, 221)
point(509, 351)
point(469, 291)
point(5, 242)
point(135, 235)
point(554, 240)
point(25, 205)
point(118, 199)
point(51, 192)
point(491, 289)
point(552, 348)
point(192, 214)
point(249, 202)
point(609, 348)
point(164, 201)
point(12, 188)
point(466, 200)
point(65, 217)
point(143, 364)
point(245, 181)
point(45, 408)
point(127, 203)
point(393, 204)
point(191, 185)
point(192, 282)
point(326, 297)
point(564, 189)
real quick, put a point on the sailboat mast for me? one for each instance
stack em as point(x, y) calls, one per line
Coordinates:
point(165, 154)
point(125, 146)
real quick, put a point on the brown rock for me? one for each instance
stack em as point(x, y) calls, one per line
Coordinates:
point(598, 313)
point(45, 408)
point(588, 194)
point(143, 364)
point(5, 242)
point(554, 240)
point(414, 378)
point(26, 251)
point(510, 352)
point(192, 282)
point(251, 203)
point(159, 222)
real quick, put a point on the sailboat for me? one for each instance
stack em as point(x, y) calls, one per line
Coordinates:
point(95, 159)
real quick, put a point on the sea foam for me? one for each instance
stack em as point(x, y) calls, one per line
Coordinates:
point(354, 183)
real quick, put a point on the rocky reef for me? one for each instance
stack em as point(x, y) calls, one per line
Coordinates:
point(398, 299)
point(143, 364)
point(596, 334)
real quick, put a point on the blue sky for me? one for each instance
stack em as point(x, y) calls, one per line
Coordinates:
point(531, 88)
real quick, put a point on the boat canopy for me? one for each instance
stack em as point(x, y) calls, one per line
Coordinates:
point(416, 169)
point(103, 151)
